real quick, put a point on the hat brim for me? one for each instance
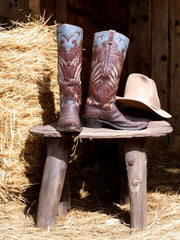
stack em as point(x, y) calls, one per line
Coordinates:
point(127, 102)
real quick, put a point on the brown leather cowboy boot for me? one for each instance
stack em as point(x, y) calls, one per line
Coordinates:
point(109, 50)
point(69, 39)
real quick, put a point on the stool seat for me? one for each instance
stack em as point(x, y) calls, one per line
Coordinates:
point(53, 197)
point(154, 129)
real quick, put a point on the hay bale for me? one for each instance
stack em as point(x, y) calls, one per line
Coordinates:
point(29, 95)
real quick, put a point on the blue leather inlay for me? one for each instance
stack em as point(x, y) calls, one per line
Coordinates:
point(68, 33)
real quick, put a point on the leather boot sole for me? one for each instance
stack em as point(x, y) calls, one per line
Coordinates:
point(98, 123)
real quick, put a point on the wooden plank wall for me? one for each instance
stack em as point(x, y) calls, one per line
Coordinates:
point(154, 31)
point(94, 16)
point(140, 36)
point(159, 48)
point(9, 9)
point(14, 10)
point(174, 79)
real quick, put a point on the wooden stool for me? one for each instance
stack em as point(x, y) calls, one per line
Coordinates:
point(51, 199)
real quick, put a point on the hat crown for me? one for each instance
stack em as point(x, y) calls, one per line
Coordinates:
point(141, 88)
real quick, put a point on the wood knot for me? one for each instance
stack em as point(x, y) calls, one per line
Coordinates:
point(131, 161)
point(163, 58)
point(135, 187)
point(135, 183)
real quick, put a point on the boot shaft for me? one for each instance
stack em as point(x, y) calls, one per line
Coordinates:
point(69, 37)
point(108, 55)
point(69, 40)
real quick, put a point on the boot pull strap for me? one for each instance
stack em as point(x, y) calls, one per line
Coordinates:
point(111, 37)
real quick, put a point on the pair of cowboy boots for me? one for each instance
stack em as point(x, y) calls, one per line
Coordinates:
point(108, 54)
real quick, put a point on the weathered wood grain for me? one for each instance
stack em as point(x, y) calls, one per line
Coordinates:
point(61, 11)
point(136, 165)
point(9, 9)
point(154, 129)
point(175, 64)
point(58, 153)
point(159, 45)
point(58, 150)
point(35, 6)
point(65, 201)
point(140, 36)
point(122, 175)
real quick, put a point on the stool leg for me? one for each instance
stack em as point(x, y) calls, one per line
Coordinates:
point(65, 201)
point(136, 165)
point(58, 152)
point(124, 189)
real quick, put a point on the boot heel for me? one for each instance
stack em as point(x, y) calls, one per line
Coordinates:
point(93, 123)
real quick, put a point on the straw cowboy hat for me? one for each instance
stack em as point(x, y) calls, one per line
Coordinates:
point(141, 92)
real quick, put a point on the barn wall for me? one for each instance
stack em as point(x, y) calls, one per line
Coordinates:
point(152, 26)
point(14, 10)
point(154, 31)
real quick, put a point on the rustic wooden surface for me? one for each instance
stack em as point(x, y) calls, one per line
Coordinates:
point(14, 9)
point(122, 175)
point(136, 165)
point(140, 36)
point(159, 61)
point(61, 11)
point(55, 168)
point(51, 199)
point(154, 129)
point(175, 64)
point(65, 200)
point(9, 9)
